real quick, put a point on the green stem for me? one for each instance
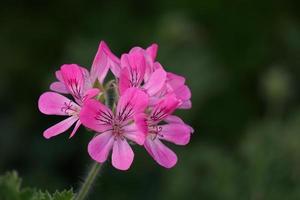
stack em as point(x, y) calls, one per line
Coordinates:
point(88, 182)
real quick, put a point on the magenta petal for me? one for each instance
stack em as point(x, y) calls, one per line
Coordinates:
point(77, 125)
point(186, 105)
point(122, 154)
point(136, 64)
point(132, 102)
point(59, 76)
point(124, 80)
point(60, 127)
point(73, 77)
point(152, 51)
point(100, 146)
point(160, 153)
point(91, 93)
point(104, 60)
point(59, 87)
point(177, 133)
point(164, 108)
point(175, 80)
point(100, 64)
point(96, 116)
point(132, 132)
point(156, 81)
point(183, 93)
point(51, 103)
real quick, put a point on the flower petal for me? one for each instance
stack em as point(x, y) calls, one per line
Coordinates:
point(164, 108)
point(160, 153)
point(186, 105)
point(122, 154)
point(156, 82)
point(136, 65)
point(96, 116)
point(124, 80)
point(51, 103)
point(132, 102)
point(134, 133)
point(174, 119)
point(152, 51)
point(177, 133)
point(60, 127)
point(100, 64)
point(73, 77)
point(59, 87)
point(103, 61)
point(183, 93)
point(77, 125)
point(175, 80)
point(91, 93)
point(100, 146)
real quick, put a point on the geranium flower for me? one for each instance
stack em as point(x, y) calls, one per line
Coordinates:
point(164, 126)
point(116, 128)
point(75, 82)
point(174, 84)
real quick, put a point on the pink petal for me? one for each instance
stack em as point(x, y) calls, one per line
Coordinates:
point(132, 102)
point(156, 82)
point(77, 125)
point(100, 64)
point(164, 108)
point(100, 146)
point(73, 77)
point(104, 60)
point(51, 103)
point(60, 127)
point(91, 93)
point(177, 133)
point(132, 132)
point(183, 93)
point(124, 80)
point(175, 80)
point(59, 87)
point(152, 51)
point(59, 76)
point(136, 64)
point(174, 119)
point(160, 153)
point(96, 116)
point(122, 154)
point(186, 105)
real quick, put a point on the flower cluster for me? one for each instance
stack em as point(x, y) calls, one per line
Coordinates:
point(144, 99)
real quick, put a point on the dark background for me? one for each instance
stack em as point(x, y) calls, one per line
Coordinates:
point(241, 60)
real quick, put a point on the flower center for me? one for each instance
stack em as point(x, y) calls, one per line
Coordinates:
point(69, 108)
point(154, 131)
point(117, 130)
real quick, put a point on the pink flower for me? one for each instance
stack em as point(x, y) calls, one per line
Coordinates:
point(103, 61)
point(133, 74)
point(175, 84)
point(74, 80)
point(116, 128)
point(173, 130)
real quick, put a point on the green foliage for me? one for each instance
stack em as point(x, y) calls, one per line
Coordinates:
point(10, 189)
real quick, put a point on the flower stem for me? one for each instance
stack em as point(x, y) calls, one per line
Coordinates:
point(88, 182)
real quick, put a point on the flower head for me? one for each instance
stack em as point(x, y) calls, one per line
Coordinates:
point(145, 97)
point(73, 80)
point(115, 128)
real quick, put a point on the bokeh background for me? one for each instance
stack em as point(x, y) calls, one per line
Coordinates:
point(241, 59)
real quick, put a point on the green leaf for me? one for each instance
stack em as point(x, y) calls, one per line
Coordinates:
point(10, 189)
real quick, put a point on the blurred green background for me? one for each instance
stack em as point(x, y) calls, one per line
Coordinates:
point(241, 60)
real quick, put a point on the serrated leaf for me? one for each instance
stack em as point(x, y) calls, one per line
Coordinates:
point(10, 189)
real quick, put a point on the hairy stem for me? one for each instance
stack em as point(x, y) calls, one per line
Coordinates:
point(88, 182)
